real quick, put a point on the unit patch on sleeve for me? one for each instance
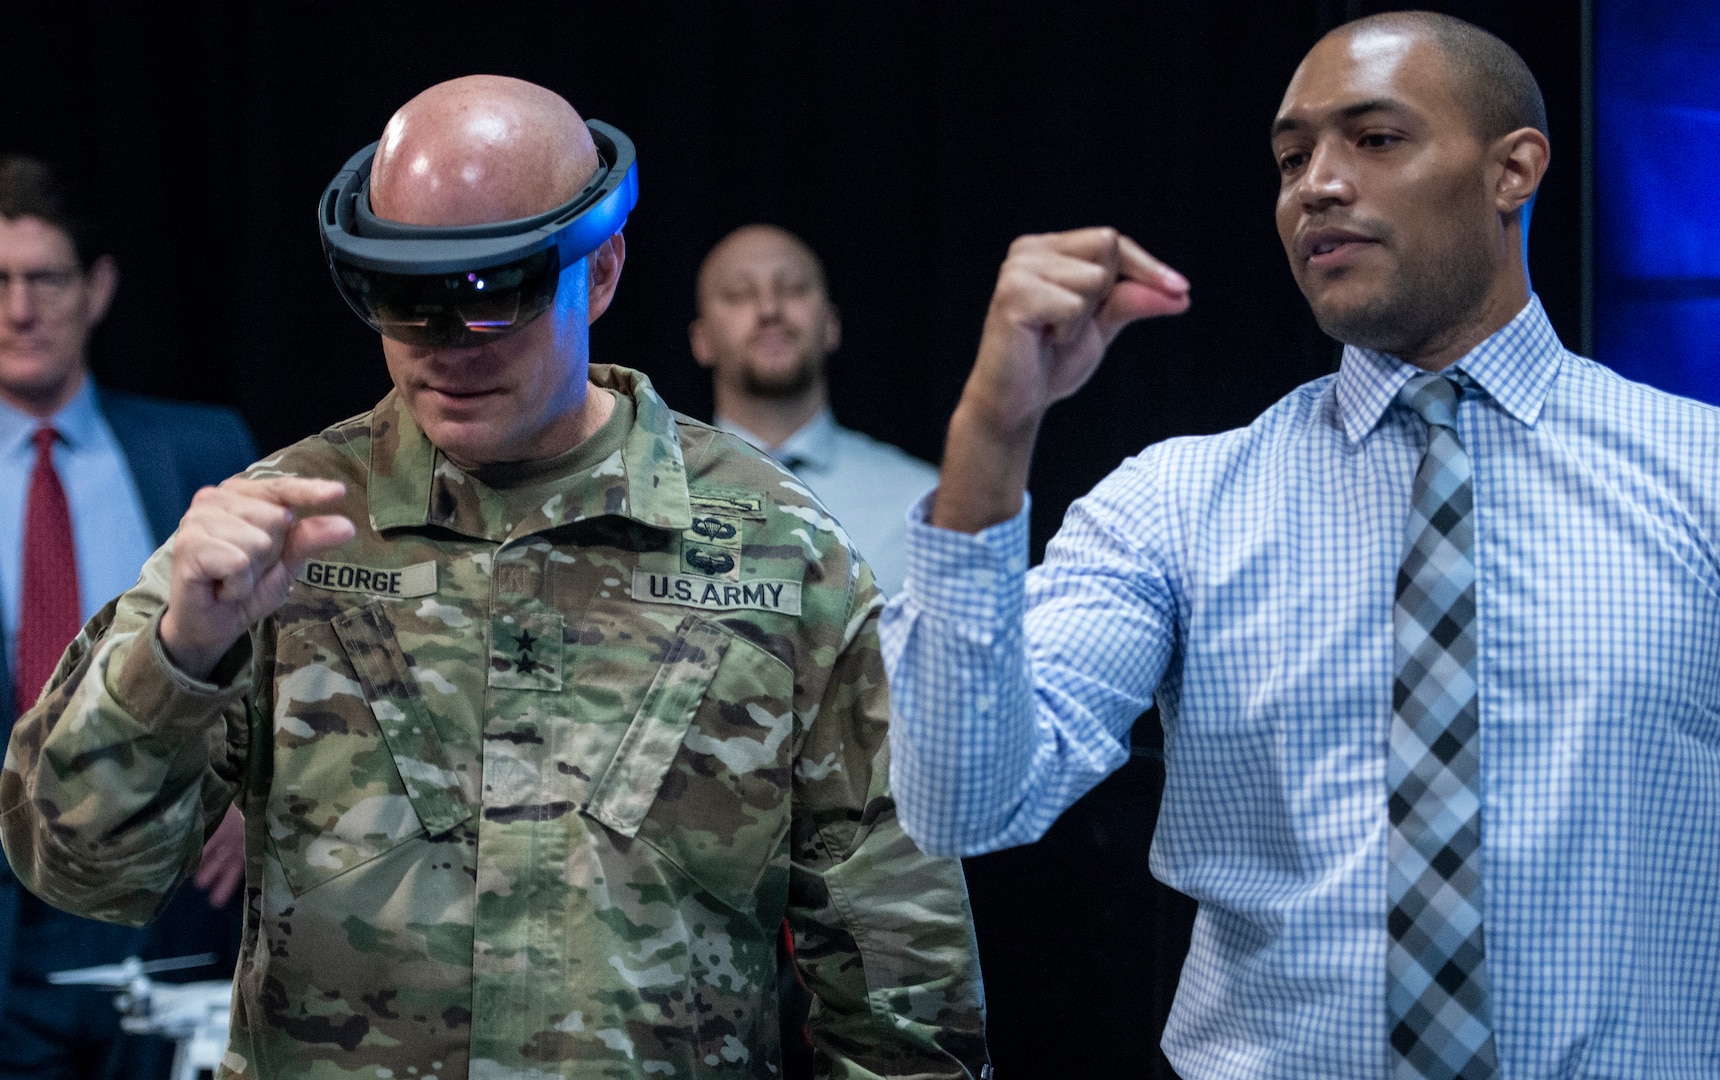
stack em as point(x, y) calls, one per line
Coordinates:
point(716, 595)
point(418, 579)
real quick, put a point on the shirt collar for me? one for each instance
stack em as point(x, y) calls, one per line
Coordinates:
point(78, 421)
point(1516, 367)
point(812, 447)
point(413, 485)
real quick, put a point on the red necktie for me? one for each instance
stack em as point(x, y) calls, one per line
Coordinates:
point(48, 615)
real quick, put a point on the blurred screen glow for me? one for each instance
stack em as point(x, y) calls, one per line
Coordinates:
point(1657, 192)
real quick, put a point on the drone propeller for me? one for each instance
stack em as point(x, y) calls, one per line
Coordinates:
point(120, 976)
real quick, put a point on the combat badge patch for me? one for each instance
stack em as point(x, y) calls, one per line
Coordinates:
point(709, 528)
point(715, 595)
point(728, 501)
point(416, 580)
point(712, 545)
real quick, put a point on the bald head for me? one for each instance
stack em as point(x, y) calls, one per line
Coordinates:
point(765, 327)
point(752, 244)
point(1493, 84)
point(479, 149)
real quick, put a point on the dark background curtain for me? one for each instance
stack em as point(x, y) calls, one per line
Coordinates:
point(907, 142)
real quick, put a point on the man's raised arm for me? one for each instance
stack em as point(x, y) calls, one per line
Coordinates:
point(1060, 300)
point(980, 760)
point(112, 781)
point(235, 555)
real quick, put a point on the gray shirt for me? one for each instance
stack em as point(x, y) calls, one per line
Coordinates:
point(866, 484)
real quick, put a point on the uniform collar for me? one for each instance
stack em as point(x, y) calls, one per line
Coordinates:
point(412, 485)
point(78, 422)
point(1516, 367)
point(812, 447)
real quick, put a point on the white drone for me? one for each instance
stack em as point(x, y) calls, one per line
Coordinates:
point(194, 1015)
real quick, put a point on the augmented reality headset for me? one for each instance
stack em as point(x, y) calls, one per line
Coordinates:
point(467, 284)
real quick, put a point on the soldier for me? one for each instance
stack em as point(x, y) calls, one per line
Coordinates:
point(544, 704)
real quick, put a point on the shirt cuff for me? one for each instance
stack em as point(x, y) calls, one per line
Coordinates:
point(155, 693)
point(962, 576)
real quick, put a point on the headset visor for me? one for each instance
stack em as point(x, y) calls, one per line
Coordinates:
point(457, 308)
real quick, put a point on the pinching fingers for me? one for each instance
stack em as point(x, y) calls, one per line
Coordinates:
point(1146, 288)
point(1136, 264)
point(312, 535)
point(294, 492)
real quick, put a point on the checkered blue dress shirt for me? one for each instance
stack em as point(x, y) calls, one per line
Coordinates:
point(1245, 581)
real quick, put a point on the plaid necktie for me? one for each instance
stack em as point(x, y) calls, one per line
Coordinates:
point(1436, 982)
point(48, 601)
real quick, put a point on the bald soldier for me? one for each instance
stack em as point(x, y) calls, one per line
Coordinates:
point(1434, 640)
point(766, 328)
point(544, 705)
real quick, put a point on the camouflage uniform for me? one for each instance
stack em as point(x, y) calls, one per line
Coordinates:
point(531, 775)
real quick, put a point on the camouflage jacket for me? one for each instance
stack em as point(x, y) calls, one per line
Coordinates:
point(529, 785)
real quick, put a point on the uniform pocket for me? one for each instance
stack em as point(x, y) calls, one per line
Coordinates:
point(703, 773)
point(631, 784)
point(359, 768)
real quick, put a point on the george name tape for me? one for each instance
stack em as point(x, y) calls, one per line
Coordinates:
point(703, 592)
point(416, 580)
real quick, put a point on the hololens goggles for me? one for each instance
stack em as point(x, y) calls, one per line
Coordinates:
point(467, 284)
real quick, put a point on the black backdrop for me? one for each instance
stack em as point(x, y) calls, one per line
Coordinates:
point(907, 142)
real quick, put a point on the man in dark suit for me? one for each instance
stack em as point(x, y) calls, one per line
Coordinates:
point(91, 481)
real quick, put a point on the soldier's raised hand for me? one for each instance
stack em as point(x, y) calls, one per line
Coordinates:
point(1061, 299)
point(235, 556)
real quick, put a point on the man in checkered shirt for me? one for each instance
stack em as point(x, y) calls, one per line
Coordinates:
point(1437, 656)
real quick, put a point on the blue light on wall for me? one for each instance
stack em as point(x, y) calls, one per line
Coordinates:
point(1657, 192)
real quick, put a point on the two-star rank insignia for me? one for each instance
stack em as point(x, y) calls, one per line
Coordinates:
point(525, 663)
point(526, 651)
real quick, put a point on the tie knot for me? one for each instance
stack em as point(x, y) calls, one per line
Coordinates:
point(44, 440)
point(1434, 397)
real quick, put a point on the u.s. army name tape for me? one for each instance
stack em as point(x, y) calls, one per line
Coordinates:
point(717, 595)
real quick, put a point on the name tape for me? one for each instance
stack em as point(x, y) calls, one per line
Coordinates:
point(416, 580)
point(703, 592)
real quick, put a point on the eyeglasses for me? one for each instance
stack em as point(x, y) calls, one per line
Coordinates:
point(47, 288)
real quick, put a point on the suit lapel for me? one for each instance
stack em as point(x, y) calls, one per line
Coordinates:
point(160, 485)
